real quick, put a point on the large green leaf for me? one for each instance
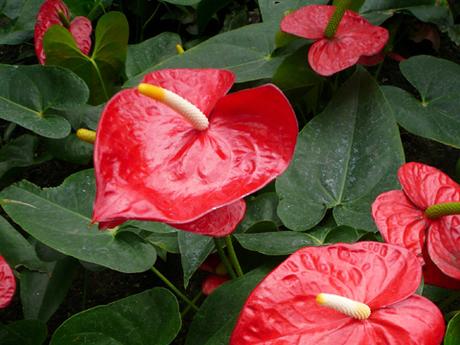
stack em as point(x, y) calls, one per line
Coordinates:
point(70, 149)
point(61, 218)
point(151, 317)
point(261, 208)
point(274, 10)
point(436, 115)
point(32, 96)
point(194, 249)
point(21, 20)
point(24, 332)
point(217, 316)
point(247, 51)
point(344, 158)
point(43, 292)
point(16, 249)
point(104, 67)
point(453, 331)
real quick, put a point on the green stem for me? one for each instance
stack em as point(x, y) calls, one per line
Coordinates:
point(194, 300)
point(64, 19)
point(334, 22)
point(174, 288)
point(442, 209)
point(99, 75)
point(223, 258)
point(233, 257)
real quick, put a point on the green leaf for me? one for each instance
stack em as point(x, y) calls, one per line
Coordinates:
point(182, 2)
point(83, 116)
point(167, 242)
point(61, 218)
point(247, 51)
point(24, 332)
point(151, 317)
point(344, 158)
point(16, 249)
point(261, 208)
point(355, 5)
point(217, 316)
point(21, 15)
point(70, 149)
point(437, 115)
point(453, 331)
point(194, 249)
point(206, 9)
point(274, 10)
point(43, 292)
point(151, 52)
point(344, 234)
point(87, 8)
point(104, 67)
point(31, 96)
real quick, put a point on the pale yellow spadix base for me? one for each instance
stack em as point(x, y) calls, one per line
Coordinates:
point(179, 49)
point(344, 305)
point(188, 110)
point(86, 135)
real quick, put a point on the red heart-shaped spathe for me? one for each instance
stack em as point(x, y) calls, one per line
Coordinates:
point(7, 283)
point(151, 164)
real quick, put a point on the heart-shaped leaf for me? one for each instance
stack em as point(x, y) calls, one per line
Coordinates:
point(19, 16)
point(24, 332)
point(344, 158)
point(104, 67)
point(453, 331)
point(151, 317)
point(32, 96)
point(274, 10)
point(60, 218)
point(437, 115)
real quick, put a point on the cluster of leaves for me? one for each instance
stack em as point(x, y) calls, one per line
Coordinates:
point(348, 152)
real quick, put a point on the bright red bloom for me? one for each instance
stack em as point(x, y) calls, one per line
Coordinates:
point(7, 283)
point(151, 164)
point(48, 15)
point(283, 308)
point(212, 282)
point(400, 218)
point(355, 37)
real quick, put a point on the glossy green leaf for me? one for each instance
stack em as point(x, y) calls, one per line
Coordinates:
point(150, 317)
point(453, 331)
point(43, 292)
point(16, 249)
point(217, 316)
point(167, 242)
point(261, 208)
point(274, 10)
point(104, 67)
point(436, 115)
point(344, 158)
point(151, 52)
point(24, 332)
point(31, 96)
point(61, 218)
point(206, 9)
point(194, 249)
point(87, 8)
point(70, 149)
point(344, 234)
point(83, 116)
point(19, 26)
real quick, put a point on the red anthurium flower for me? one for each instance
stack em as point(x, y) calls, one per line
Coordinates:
point(400, 217)
point(191, 150)
point(355, 37)
point(55, 12)
point(212, 282)
point(343, 294)
point(217, 277)
point(7, 283)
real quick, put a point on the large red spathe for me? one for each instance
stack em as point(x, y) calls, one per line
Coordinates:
point(48, 15)
point(400, 218)
point(355, 37)
point(7, 283)
point(282, 308)
point(151, 164)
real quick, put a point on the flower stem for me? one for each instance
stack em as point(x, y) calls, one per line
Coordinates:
point(233, 257)
point(194, 300)
point(223, 258)
point(442, 209)
point(337, 16)
point(174, 288)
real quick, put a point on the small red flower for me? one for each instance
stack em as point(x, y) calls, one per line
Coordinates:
point(52, 12)
point(401, 219)
point(354, 38)
point(343, 294)
point(151, 164)
point(212, 282)
point(7, 283)
point(218, 274)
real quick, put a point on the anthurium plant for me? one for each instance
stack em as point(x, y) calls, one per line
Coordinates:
point(219, 172)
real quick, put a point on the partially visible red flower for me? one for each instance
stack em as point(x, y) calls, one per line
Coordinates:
point(212, 282)
point(218, 274)
point(7, 283)
point(50, 14)
point(378, 58)
point(354, 38)
point(342, 294)
point(401, 219)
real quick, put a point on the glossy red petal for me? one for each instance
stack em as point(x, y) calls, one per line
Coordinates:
point(7, 283)
point(48, 15)
point(212, 282)
point(400, 222)
point(426, 186)
point(81, 29)
point(443, 245)
point(282, 308)
point(432, 275)
point(218, 223)
point(414, 321)
point(152, 165)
